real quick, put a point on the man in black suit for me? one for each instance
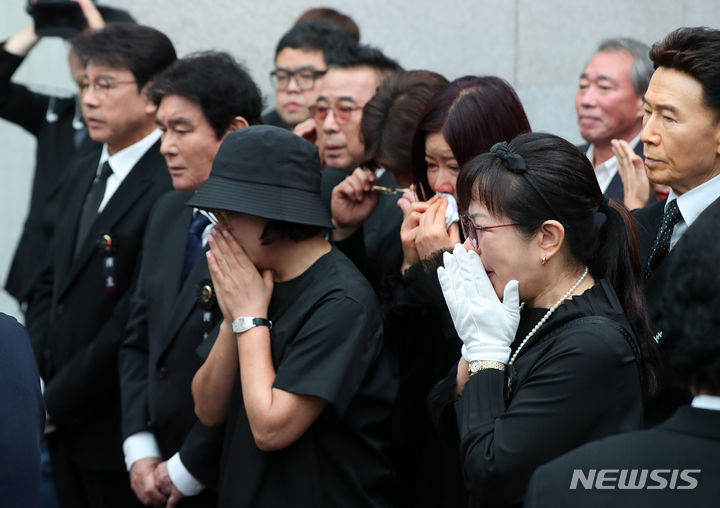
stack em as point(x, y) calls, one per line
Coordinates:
point(78, 319)
point(200, 99)
point(675, 463)
point(681, 134)
point(609, 106)
point(58, 126)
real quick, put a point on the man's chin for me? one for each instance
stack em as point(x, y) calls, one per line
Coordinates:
point(295, 117)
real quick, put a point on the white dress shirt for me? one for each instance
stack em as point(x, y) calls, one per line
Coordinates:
point(706, 402)
point(692, 204)
point(606, 171)
point(122, 163)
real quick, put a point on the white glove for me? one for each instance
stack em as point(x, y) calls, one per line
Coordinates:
point(486, 325)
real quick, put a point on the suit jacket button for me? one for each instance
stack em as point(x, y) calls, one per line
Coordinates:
point(161, 373)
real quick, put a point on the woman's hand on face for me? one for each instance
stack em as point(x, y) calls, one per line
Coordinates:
point(241, 289)
point(432, 234)
point(484, 323)
point(408, 233)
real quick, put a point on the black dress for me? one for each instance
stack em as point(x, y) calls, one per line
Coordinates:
point(423, 337)
point(327, 342)
point(574, 382)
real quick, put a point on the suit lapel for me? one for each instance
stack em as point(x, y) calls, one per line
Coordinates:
point(131, 189)
point(173, 253)
point(66, 230)
point(187, 300)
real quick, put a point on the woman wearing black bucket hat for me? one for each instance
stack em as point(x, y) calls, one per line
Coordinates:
point(298, 372)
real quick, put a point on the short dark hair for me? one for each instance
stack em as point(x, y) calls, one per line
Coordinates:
point(142, 50)
point(316, 36)
point(690, 303)
point(276, 230)
point(363, 55)
point(217, 83)
point(603, 239)
point(472, 113)
point(696, 52)
point(390, 118)
point(332, 17)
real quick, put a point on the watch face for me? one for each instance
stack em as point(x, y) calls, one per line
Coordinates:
point(474, 366)
point(242, 324)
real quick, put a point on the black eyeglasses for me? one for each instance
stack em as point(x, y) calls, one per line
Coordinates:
point(470, 230)
point(305, 77)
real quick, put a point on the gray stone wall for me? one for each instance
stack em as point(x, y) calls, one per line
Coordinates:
point(539, 46)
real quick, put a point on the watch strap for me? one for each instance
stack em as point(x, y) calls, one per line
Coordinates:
point(245, 323)
point(478, 365)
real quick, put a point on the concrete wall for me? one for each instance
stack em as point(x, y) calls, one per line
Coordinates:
point(539, 46)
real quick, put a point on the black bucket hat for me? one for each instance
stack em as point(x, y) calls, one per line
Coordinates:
point(267, 172)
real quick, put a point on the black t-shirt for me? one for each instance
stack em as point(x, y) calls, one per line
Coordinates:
point(327, 342)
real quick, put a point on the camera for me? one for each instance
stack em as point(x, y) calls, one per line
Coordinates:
point(56, 18)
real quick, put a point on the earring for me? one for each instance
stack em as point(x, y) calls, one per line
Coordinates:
point(544, 260)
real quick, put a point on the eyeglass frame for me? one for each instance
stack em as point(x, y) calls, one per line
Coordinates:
point(470, 229)
point(342, 118)
point(99, 86)
point(294, 75)
point(217, 215)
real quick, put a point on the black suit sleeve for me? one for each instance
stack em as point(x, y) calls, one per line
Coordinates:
point(23, 418)
point(18, 104)
point(200, 453)
point(70, 397)
point(133, 366)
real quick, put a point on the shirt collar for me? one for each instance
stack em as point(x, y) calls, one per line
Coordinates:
point(695, 201)
point(123, 161)
point(706, 402)
point(591, 150)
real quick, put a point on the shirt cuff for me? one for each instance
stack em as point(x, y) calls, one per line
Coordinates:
point(183, 480)
point(140, 446)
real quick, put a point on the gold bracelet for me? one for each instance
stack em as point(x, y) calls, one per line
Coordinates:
point(478, 365)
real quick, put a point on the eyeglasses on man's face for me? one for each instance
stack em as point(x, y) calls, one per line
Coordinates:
point(341, 111)
point(102, 85)
point(305, 77)
point(470, 230)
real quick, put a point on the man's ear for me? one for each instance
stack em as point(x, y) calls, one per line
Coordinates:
point(150, 106)
point(238, 122)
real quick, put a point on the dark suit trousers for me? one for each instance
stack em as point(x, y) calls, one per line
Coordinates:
point(82, 488)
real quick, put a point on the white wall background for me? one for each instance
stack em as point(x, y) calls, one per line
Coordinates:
point(539, 46)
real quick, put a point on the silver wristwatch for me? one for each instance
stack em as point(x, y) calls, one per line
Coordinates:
point(245, 323)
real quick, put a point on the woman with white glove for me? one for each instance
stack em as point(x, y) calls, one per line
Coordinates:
point(571, 362)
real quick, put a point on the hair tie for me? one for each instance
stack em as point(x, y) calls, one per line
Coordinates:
point(515, 163)
point(512, 161)
point(602, 213)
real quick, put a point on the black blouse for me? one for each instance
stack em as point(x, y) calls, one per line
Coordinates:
point(573, 383)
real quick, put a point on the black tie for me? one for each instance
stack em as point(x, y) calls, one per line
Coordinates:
point(92, 203)
point(661, 245)
point(193, 245)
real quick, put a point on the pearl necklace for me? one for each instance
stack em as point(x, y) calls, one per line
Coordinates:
point(548, 314)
